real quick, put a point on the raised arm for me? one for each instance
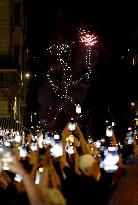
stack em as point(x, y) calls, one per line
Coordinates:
point(49, 173)
point(65, 134)
point(113, 140)
point(83, 143)
point(34, 194)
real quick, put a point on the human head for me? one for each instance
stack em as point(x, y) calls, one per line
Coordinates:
point(89, 165)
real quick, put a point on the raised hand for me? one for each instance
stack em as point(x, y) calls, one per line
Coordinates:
point(4, 179)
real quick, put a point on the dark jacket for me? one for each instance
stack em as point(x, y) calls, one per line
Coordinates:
point(81, 190)
point(126, 192)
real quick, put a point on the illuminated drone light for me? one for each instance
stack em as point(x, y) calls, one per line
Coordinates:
point(67, 82)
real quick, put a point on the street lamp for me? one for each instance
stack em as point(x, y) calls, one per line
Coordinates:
point(132, 103)
point(27, 75)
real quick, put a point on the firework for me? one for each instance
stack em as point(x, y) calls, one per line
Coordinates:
point(87, 38)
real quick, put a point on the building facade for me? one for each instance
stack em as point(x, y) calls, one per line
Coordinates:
point(14, 55)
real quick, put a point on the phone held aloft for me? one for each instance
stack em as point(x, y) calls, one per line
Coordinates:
point(72, 124)
point(6, 153)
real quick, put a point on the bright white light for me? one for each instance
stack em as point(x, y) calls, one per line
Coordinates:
point(71, 138)
point(78, 109)
point(98, 144)
point(27, 75)
point(18, 178)
point(17, 138)
point(70, 149)
point(40, 169)
point(111, 160)
point(1, 149)
point(56, 136)
point(23, 152)
point(71, 126)
point(112, 148)
point(56, 150)
point(110, 167)
point(33, 146)
point(109, 131)
point(113, 124)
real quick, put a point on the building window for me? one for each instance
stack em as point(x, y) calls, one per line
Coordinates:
point(17, 14)
point(1, 78)
point(4, 112)
point(16, 54)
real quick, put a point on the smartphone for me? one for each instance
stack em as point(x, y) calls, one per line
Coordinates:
point(111, 158)
point(72, 124)
point(38, 175)
point(18, 178)
point(17, 138)
point(129, 137)
point(135, 132)
point(89, 140)
point(33, 146)
point(47, 139)
point(97, 143)
point(57, 139)
point(23, 151)
point(1, 139)
point(109, 131)
point(69, 148)
point(56, 150)
point(130, 140)
point(7, 157)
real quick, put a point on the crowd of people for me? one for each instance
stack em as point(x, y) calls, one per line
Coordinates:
point(67, 169)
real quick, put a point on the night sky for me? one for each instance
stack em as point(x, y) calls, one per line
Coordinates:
point(114, 23)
